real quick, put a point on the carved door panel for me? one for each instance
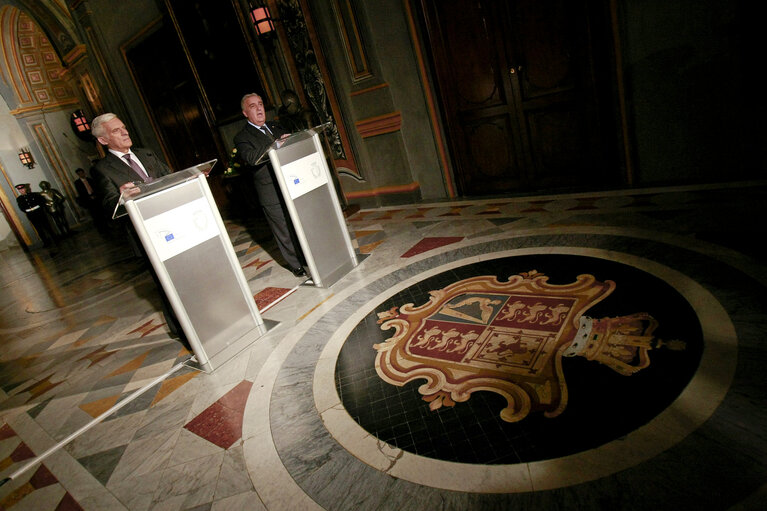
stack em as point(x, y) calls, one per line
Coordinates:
point(525, 100)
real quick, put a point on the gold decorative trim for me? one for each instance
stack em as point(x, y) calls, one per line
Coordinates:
point(9, 17)
point(12, 216)
point(380, 125)
point(369, 89)
point(352, 37)
point(384, 190)
point(77, 53)
point(48, 145)
point(46, 107)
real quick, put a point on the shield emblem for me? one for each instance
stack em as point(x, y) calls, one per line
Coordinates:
point(200, 220)
point(483, 334)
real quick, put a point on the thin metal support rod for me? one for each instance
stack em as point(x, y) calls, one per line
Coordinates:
point(92, 423)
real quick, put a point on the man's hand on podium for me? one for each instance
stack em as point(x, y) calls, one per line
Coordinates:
point(129, 189)
point(282, 139)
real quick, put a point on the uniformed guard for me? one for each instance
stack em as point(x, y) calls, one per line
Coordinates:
point(33, 204)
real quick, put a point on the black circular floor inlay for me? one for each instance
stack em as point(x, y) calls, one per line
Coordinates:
point(601, 404)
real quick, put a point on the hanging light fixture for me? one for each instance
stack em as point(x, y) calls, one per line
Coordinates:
point(25, 157)
point(262, 20)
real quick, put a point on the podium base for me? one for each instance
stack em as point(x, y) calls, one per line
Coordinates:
point(233, 349)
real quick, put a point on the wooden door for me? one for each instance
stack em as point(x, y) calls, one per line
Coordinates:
point(175, 105)
point(525, 97)
point(172, 98)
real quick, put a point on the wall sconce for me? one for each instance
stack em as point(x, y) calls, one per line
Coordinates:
point(79, 122)
point(80, 125)
point(261, 19)
point(25, 157)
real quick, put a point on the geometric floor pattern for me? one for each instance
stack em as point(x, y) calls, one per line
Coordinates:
point(307, 418)
point(39, 486)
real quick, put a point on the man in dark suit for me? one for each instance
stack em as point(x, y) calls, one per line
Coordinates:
point(119, 172)
point(251, 143)
point(124, 165)
point(87, 199)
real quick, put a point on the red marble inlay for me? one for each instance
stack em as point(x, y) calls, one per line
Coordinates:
point(100, 354)
point(68, 503)
point(147, 328)
point(237, 397)
point(21, 453)
point(221, 422)
point(427, 244)
point(268, 295)
point(42, 478)
point(6, 432)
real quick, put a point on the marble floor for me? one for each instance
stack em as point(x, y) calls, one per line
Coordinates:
point(585, 351)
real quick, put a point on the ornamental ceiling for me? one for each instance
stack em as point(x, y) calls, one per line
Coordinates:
point(31, 67)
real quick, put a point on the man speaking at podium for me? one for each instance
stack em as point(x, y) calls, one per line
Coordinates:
point(121, 167)
point(251, 143)
point(117, 173)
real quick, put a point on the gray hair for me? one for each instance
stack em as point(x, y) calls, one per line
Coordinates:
point(97, 130)
point(244, 98)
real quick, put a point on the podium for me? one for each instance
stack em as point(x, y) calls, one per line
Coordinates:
point(186, 241)
point(304, 179)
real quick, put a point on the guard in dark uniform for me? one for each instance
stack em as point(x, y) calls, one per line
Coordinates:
point(33, 204)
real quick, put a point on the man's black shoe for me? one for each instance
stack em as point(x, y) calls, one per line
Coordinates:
point(299, 272)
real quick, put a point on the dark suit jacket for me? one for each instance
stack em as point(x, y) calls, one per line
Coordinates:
point(251, 144)
point(110, 173)
point(83, 198)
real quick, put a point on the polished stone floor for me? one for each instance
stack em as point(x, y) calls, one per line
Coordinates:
point(586, 351)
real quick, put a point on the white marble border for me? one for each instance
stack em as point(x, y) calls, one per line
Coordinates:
point(694, 405)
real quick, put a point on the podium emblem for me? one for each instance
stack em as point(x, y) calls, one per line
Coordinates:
point(200, 219)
